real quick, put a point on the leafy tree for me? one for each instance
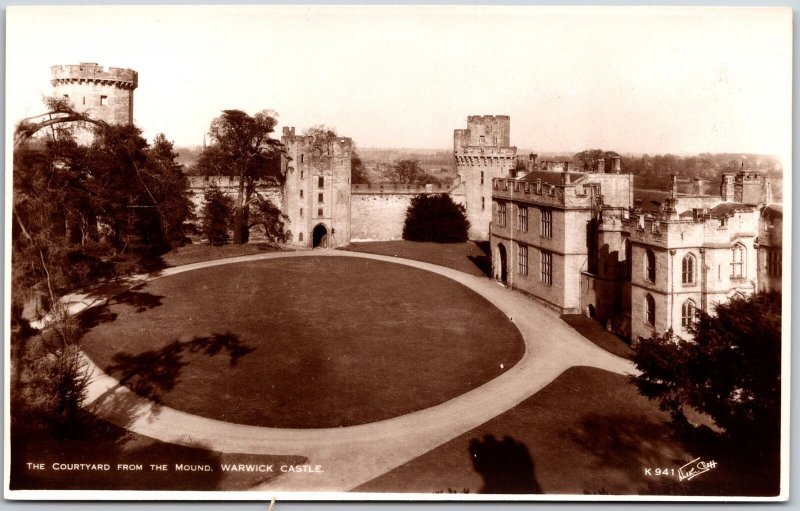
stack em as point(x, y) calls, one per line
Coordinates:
point(410, 172)
point(435, 218)
point(242, 146)
point(589, 158)
point(729, 370)
point(216, 214)
point(358, 172)
point(270, 218)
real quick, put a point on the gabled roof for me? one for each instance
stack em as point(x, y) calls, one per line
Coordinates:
point(728, 208)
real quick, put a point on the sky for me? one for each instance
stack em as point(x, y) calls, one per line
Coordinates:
point(633, 80)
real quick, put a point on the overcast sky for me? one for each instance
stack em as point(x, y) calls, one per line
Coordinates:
point(631, 80)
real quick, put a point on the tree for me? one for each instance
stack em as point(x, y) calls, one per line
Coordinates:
point(241, 145)
point(589, 158)
point(270, 218)
point(410, 172)
point(216, 215)
point(435, 218)
point(729, 370)
point(358, 172)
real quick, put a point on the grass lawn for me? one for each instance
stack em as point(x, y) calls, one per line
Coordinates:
point(470, 257)
point(197, 252)
point(587, 432)
point(302, 342)
point(594, 331)
point(107, 444)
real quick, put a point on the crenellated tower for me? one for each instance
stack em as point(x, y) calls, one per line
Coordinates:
point(482, 152)
point(316, 196)
point(103, 94)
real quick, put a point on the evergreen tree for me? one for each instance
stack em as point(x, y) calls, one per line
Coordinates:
point(435, 218)
point(216, 215)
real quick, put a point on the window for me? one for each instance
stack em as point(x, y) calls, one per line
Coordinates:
point(737, 266)
point(522, 259)
point(774, 262)
point(688, 311)
point(301, 213)
point(501, 214)
point(481, 177)
point(723, 221)
point(319, 212)
point(320, 197)
point(547, 267)
point(321, 182)
point(301, 174)
point(687, 269)
point(84, 100)
point(300, 236)
point(103, 100)
point(483, 203)
point(66, 96)
point(522, 218)
point(546, 227)
point(649, 310)
point(483, 140)
point(649, 265)
point(301, 193)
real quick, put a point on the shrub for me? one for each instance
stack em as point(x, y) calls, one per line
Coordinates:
point(216, 214)
point(435, 218)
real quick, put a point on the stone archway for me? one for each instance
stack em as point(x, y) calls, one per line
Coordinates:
point(502, 261)
point(320, 236)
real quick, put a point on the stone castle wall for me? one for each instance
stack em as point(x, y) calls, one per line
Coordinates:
point(378, 212)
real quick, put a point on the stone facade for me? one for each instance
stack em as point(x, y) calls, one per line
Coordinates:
point(482, 152)
point(316, 196)
point(103, 94)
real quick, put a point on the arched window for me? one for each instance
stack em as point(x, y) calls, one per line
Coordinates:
point(300, 237)
point(738, 260)
point(688, 312)
point(687, 269)
point(649, 310)
point(649, 265)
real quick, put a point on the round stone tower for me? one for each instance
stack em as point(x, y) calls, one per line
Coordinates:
point(103, 94)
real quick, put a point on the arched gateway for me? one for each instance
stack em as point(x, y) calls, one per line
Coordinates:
point(320, 236)
point(502, 269)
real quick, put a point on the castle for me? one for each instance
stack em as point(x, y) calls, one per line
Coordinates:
point(579, 240)
point(103, 94)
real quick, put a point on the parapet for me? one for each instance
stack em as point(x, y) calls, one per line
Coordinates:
point(92, 72)
point(397, 189)
point(487, 118)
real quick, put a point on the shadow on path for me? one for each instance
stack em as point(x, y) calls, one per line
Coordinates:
point(506, 466)
point(483, 261)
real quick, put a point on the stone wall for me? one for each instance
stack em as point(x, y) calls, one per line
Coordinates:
point(378, 212)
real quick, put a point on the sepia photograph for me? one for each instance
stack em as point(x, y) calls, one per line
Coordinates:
point(407, 253)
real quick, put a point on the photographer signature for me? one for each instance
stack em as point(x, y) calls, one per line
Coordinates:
point(694, 468)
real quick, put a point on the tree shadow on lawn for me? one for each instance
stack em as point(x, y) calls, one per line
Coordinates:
point(629, 444)
point(151, 373)
point(139, 301)
point(483, 261)
point(506, 466)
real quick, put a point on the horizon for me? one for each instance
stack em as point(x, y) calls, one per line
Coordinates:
point(564, 76)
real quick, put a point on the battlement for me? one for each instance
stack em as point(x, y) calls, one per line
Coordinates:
point(487, 119)
point(92, 72)
point(567, 194)
point(326, 146)
point(398, 189)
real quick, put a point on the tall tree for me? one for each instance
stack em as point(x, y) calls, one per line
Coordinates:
point(242, 146)
point(731, 369)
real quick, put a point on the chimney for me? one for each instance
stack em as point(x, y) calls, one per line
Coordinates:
point(565, 177)
point(726, 188)
point(601, 166)
point(617, 163)
point(673, 186)
point(699, 186)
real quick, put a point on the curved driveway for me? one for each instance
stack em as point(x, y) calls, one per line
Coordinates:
point(352, 455)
